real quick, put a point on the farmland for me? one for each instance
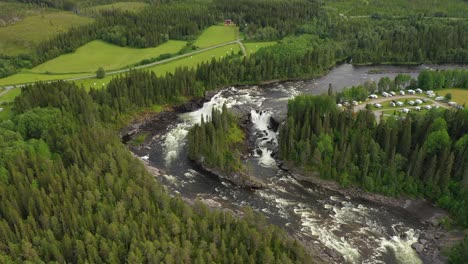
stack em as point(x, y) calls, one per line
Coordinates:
point(23, 36)
point(89, 57)
point(161, 69)
point(215, 35)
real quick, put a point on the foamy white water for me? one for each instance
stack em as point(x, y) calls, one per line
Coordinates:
point(261, 122)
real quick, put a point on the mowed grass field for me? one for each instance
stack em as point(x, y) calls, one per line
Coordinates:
point(23, 36)
point(458, 95)
point(88, 58)
point(161, 69)
point(26, 77)
point(252, 47)
point(215, 35)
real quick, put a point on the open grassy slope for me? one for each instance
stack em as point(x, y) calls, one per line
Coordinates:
point(458, 95)
point(101, 54)
point(215, 35)
point(190, 61)
point(252, 47)
point(27, 77)
point(22, 36)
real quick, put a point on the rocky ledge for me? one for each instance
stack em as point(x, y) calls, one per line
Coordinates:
point(238, 178)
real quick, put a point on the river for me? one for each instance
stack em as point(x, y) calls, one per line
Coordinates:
point(361, 232)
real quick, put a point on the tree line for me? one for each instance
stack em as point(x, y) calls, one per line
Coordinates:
point(71, 192)
point(422, 155)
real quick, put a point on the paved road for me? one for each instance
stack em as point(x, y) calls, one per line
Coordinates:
point(378, 113)
point(238, 41)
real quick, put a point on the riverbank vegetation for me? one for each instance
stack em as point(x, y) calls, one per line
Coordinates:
point(217, 142)
point(422, 155)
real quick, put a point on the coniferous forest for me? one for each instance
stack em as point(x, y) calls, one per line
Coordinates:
point(422, 155)
point(71, 192)
point(217, 143)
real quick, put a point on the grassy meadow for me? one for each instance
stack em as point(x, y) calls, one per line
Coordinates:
point(28, 77)
point(252, 47)
point(458, 95)
point(95, 54)
point(161, 69)
point(215, 35)
point(23, 36)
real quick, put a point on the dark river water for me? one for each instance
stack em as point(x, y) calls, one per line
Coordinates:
point(361, 232)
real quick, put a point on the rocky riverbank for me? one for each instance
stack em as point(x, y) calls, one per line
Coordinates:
point(433, 238)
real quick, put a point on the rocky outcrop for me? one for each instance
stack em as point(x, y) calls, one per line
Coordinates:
point(238, 178)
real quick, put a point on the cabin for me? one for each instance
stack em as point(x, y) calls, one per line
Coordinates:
point(392, 93)
point(384, 94)
point(411, 92)
point(228, 22)
point(373, 96)
point(452, 103)
point(399, 103)
point(419, 90)
point(378, 105)
point(418, 101)
point(428, 107)
point(417, 108)
point(402, 92)
point(411, 103)
point(405, 110)
point(392, 104)
point(439, 98)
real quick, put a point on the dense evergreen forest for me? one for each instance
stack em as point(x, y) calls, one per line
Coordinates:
point(71, 192)
point(217, 143)
point(422, 155)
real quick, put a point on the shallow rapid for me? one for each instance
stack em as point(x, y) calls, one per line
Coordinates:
point(359, 231)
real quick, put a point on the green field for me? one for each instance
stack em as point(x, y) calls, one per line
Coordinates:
point(23, 36)
point(10, 95)
point(215, 35)
point(252, 47)
point(95, 54)
point(124, 6)
point(27, 77)
point(190, 61)
point(458, 95)
point(452, 8)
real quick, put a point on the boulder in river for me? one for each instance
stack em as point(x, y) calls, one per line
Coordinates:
point(418, 247)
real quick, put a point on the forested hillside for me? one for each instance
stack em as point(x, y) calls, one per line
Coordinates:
point(71, 192)
point(422, 155)
point(411, 39)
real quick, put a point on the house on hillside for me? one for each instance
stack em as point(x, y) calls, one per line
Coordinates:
point(228, 22)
